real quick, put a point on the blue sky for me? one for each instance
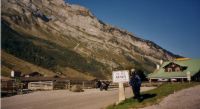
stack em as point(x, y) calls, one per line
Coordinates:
point(172, 24)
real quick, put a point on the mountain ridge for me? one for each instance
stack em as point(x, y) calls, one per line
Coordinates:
point(57, 27)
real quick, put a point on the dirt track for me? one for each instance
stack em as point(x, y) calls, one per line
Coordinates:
point(184, 99)
point(64, 99)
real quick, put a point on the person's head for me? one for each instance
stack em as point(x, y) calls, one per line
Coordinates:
point(132, 70)
point(132, 74)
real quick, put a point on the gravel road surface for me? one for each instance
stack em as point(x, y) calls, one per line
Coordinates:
point(64, 99)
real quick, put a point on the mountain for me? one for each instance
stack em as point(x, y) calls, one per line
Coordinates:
point(58, 36)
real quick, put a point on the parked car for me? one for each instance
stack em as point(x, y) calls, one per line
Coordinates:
point(163, 80)
point(173, 79)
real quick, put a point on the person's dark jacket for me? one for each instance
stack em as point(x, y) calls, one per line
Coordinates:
point(135, 81)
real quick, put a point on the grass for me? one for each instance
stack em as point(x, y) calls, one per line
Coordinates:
point(10, 62)
point(48, 55)
point(153, 96)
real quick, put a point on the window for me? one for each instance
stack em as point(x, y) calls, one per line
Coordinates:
point(173, 65)
point(169, 69)
point(177, 69)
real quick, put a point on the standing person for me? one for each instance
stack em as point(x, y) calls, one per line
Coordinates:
point(135, 83)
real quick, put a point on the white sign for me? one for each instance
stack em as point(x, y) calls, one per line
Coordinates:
point(120, 76)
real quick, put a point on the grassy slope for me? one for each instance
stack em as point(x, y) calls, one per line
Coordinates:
point(9, 62)
point(48, 55)
point(154, 96)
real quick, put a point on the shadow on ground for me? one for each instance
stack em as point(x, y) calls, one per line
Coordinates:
point(146, 96)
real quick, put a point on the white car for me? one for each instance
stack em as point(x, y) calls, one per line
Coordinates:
point(173, 79)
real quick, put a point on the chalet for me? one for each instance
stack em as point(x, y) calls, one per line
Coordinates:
point(177, 70)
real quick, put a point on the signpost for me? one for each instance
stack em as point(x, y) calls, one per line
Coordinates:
point(121, 77)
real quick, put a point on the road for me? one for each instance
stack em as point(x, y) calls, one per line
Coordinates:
point(64, 99)
point(184, 99)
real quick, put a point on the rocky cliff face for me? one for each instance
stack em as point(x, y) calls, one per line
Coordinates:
point(58, 28)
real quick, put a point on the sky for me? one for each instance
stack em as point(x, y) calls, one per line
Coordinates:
point(172, 24)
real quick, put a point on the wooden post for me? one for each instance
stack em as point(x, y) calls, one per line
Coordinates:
point(83, 84)
point(150, 80)
point(69, 85)
point(13, 86)
point(182, 80)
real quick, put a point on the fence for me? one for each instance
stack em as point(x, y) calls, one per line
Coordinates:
point(84, 84)
point(88, 84)
point(12, 86)
point(67, 84)
point(47, 85)
point(8, 88)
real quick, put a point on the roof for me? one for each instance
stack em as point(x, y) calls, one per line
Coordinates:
point(193, 65)
point(34, 73)
point(181, 59)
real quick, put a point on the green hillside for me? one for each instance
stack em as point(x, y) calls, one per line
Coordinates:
point(48, 55)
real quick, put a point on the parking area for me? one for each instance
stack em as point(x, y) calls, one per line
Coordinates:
point(64, 99)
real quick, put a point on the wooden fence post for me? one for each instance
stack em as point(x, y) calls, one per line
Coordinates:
point(69, 85)
point(83, 84)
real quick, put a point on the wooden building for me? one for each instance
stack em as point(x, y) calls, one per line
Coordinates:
point(7, 86)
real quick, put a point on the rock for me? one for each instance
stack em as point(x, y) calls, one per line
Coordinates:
point(76, 88)
point(26, 2)
point(58, 2)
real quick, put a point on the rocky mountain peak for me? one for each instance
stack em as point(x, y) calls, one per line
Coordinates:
point(53, 25)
